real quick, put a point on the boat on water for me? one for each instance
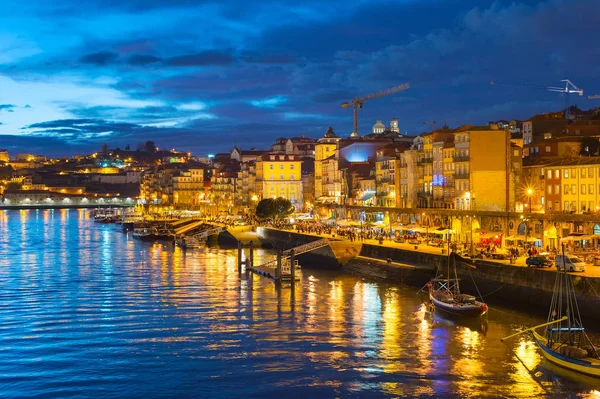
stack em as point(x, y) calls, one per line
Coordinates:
point(564, 341)
point(445, 295)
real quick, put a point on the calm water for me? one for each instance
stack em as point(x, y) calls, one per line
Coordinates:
point(87, 311)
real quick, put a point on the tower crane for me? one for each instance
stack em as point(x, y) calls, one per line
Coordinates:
point(432, 123)
point(567, 90)
point(358, 102)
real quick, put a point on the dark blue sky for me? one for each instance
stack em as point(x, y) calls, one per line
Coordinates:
point(203, 75)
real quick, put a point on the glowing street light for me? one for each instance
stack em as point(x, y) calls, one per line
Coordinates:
point(529, 194)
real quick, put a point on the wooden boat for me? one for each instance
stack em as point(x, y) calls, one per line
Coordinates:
point(445, 295)
point(564, 341)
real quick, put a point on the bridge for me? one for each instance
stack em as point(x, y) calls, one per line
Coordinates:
point(280, 268)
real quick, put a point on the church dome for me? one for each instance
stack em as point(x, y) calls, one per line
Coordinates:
point(378, 127)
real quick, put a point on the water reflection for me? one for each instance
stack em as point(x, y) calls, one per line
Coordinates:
point(87, 308)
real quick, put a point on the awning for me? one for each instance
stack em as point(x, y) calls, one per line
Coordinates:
point(577, 238)
point(489, 236)
point(379, 223)
point(444, 231)
point(365, 197)
point(419, 229)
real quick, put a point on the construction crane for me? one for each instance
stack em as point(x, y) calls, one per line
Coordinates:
point(432, 123)
point(358, 102)
point(567, 90)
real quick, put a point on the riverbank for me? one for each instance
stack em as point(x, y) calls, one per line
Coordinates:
point(496, 281)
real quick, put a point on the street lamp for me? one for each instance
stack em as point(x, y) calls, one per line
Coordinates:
point(529, 194)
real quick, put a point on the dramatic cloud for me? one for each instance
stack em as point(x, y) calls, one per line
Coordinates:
point(203, 75)
point(100, 58)
point(201, 59)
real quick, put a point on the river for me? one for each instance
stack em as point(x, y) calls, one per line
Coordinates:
point(88, 311)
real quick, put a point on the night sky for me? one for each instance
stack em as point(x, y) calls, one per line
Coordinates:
point(202, 76)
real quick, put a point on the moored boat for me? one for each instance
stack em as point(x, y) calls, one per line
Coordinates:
point(445, 295)
point(563, 340)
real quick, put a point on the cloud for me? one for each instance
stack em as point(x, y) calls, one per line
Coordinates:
point(269, 102)
point(268, 57)
point(142, 59)
point(204, 58)
point(7, 107)
point(100, 58)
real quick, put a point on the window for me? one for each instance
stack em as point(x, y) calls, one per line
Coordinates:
point(573, 173)
point(292, 197)
point(556, 174)
point(280, 166)
point(292, 166)
point(272, 188)
point(556, 189)
point(583, 189)
point(583, 173)
point(566, 206)
point(548, 149)
point(292, 176)
point(557, 205)
point(573, 189)
point(591, 172)
point(566, 173)
point(549, 173)
point(516, 153)
point(549, 189)
point(272, 177)
point(566, 189)
point(583, 206)
point(590, 206)
point(280, 177)
point(326, 148)
point(271, 166)
point(591, 189)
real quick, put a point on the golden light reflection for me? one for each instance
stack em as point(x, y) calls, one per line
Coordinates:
point(520, 377)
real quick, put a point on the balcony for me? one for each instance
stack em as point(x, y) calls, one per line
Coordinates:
point(461, 175)
point(461, 158)
point(424, 194)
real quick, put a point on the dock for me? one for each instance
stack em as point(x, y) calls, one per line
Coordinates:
point(283, 267)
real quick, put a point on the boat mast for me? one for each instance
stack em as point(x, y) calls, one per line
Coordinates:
point(567, 294)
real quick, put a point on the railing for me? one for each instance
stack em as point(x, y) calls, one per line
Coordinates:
point(210, 232)
point(423, 194)
point(311, 246)
point(462, 175)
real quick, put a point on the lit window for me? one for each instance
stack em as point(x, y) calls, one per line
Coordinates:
point(566, 173)
point(583, 189)
point(583, 173)
point(591, 172)
point(591, 189)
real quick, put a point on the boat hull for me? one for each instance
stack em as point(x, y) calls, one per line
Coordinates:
point(578, 365)
point(463, 310)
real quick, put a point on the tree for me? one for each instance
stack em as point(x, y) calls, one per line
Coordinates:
point(589, 146)
point(150, 146)
point(274, 208)
point(104, 150)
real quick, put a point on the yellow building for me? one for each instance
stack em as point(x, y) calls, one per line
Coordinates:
point(580, 185)
point(324, 148)
point(280, 175)
point(480, 161)
point(448, 173)
point(188, 188)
